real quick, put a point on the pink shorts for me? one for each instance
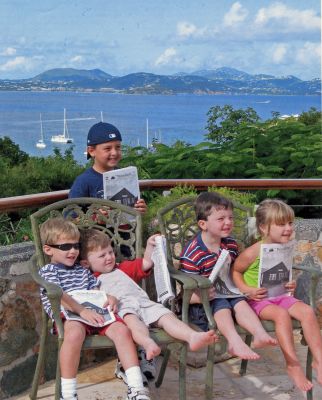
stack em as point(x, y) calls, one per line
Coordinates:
point(281, 301)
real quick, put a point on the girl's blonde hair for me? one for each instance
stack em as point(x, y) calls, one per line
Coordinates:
point(93, 240)
point(273, 211)
point(55, 228)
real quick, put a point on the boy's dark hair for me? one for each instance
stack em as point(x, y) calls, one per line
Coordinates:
point(93, 240)
point(206, 200)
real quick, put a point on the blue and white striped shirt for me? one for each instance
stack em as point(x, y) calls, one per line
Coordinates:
point(68, 278)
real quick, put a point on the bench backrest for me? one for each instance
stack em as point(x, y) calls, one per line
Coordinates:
point(121, 223)
point(178, 224)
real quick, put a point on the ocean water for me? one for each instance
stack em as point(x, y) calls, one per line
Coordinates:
point(170, 118)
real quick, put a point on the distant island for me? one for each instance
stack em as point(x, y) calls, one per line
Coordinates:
point(223, 80)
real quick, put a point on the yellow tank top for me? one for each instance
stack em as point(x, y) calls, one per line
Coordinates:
point(251, 274)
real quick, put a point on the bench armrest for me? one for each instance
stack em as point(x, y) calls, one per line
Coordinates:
point(203, 284)
point(53, 292)
point(185, 280)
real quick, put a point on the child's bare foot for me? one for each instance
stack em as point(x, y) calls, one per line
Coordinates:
point(242, 351)
point(199, 340)
point(318, 368)
point(152, 350)
point(296, 373)
point(262, 340)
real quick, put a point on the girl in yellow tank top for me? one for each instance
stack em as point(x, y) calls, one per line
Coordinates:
point(274, 221)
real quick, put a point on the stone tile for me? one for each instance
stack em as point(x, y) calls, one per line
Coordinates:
point(265, 380)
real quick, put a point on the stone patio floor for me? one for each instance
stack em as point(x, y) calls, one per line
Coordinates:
point(265, 380)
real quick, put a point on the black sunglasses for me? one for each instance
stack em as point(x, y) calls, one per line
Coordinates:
point(65, 246)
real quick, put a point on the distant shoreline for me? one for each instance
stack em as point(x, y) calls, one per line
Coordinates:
point(165, 93)
point(221, 81)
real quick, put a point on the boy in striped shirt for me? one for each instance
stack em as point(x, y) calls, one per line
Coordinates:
point(60, 239)
point(214, 215)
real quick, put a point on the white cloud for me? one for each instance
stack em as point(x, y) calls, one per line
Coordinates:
point(309, 53)
point(171, 58)
point(15, 63)
point(186, 29)
point(168, 56)
point(77, 59)
point(9, 51)
point(235, 15)
point(279, 53)
point(290, 18)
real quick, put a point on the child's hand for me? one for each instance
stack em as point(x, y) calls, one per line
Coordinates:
point(290, 287)
point(256, 294)
point(98, 217)
point(141, 206)
point(151, 239)
point(112, 302)
point(104, 211)
point(92, 316)
point(147, 258)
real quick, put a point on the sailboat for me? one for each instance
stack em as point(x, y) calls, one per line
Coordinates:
point(41, 144)
point(64, 137)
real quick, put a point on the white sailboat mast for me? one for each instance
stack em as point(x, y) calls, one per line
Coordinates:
point(66, 135)
point(41, 130)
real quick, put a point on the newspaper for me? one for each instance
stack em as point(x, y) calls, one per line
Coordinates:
point(122, 186)
point(275, 267)
point(161, 272)
point(221, 277)
point(93, 299)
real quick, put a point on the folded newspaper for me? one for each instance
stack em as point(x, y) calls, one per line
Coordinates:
point(122, 186)
point(92, 299)
point(275, 267)
point(221, 277)
point(161, 272)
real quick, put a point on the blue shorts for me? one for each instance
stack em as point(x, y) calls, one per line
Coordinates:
point(197, 313)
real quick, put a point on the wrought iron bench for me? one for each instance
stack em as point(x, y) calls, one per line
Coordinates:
point(124, 226)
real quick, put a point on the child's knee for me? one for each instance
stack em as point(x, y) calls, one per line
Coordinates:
point(74, 336)
point(306, 313)
point(281, 314)
point(118, 329)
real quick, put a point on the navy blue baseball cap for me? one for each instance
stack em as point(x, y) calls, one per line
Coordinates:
point(102, 132)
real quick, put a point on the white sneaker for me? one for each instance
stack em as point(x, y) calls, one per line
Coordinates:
point(138, 394)
point(70, 398)
point(120, 374)
point(148, 367)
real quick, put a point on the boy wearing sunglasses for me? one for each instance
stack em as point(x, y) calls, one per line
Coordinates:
point(60, 239)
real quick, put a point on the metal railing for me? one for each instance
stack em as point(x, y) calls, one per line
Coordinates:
point(9, 204)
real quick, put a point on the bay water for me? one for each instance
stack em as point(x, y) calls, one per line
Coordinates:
point(140, 118)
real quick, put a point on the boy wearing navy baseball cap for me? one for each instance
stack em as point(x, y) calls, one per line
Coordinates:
point(104, 146)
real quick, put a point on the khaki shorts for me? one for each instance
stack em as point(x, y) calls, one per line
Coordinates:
point(147, 311)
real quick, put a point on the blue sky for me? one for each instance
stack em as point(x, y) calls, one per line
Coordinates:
point(160, 36)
